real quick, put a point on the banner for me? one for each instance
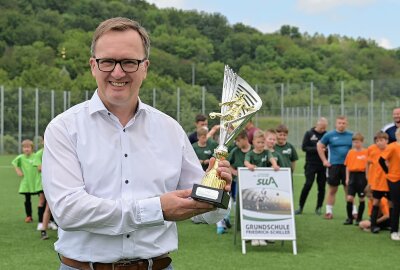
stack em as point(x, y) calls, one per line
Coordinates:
point(266, 205)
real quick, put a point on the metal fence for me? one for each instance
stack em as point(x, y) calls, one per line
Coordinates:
point(25, 113)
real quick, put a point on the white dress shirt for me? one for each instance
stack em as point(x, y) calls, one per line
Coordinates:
point(103, 181)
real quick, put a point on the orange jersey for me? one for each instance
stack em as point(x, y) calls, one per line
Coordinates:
point(356, 161)
point(376, 176)
point(392, 155)
point(383, 207)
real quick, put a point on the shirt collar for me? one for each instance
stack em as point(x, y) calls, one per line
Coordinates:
point(96, 105)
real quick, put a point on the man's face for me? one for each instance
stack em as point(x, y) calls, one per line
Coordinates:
point(321, 127)
point(341, 125)
point(119, 89)
point(200, 124)
point(396, 116)
point(281, 138)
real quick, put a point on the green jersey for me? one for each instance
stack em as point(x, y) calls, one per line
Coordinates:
point(28, 182)
point(37, 161)
point(277, 156)
point(206, 152)
point(259, 160)
point(236, 157)
point(288, 153)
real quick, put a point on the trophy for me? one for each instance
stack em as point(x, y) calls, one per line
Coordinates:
point(239, 103)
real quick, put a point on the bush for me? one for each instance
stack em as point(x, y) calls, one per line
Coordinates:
point(10, 145)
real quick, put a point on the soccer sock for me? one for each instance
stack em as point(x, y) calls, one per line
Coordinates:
point(349, 208)
point(329, 209)
point(28, 208)
point(374, 215)
point(361, 208)
point(354, 209)
point(40, 213)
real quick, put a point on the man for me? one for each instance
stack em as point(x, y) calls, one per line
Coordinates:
point(201, 121)
point(391, 128)
point(113, 188)
point(338, 142)
point(250, 129)
point(313, 166)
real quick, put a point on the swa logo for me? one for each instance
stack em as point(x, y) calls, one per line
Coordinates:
point(266, 181)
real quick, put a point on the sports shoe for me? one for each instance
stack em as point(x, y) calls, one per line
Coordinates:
point(318, 211)
point(28, 219)
point(328, 216)
point(348, 222)
point(228, 223)
point(43, 235)
point(375, 229)
point(221, 230)
point(298, 211)
point(255, 242)
point(395, 236)
point(196, 220)
point(52, 225)
point(262, 242)
point(39, 226)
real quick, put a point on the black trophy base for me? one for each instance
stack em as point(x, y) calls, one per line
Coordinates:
point(218, 197)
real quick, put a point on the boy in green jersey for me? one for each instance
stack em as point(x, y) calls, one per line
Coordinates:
point(204, 147)
point(24, 168)
point(286, 149)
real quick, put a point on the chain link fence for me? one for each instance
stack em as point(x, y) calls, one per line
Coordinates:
point(25, 112)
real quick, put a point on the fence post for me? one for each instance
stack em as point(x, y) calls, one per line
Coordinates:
point(36, 118)
point(371, 123)
point(64, 101)
point(178, 101)
point(282, 102)
point(19, 118)
point(256, 120)
point(342, 98)
point(2, 119)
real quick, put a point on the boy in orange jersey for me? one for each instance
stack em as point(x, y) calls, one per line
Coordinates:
point(376, 176)
point(390, 163)
point(356, 163)
point(383, 221)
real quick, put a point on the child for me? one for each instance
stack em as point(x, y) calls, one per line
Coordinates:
point(389, 161)
point(356, 163)
point(270, 143)
point(286, 149)
point(259, 156)
point(24, 168)
point(383, 220)
point(204, 147)
point(376, 176)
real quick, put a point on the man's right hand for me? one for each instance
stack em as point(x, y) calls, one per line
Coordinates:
point(177, 205)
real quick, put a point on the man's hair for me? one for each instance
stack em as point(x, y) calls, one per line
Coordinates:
point(282, 128)
point(381, 135)
point(242, 135)
point(27, 142)
point(258, 134)
point(200, 117)
point(121, 24)
point(341, 117)
point(202, 131)
point(358, 137)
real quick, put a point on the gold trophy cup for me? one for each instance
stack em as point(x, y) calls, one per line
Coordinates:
point(239, 103)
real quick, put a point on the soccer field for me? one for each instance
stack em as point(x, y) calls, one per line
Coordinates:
point(321, 244)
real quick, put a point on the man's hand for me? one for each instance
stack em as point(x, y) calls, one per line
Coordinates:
point(177, 205)
point(223, 171)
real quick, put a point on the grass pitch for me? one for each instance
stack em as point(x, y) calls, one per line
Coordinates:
point(321, 244)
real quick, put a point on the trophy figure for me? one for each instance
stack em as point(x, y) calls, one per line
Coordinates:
point(239, 103)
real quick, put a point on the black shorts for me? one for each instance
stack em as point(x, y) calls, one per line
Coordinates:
point(357, 184)
point(337, 175)
point(376, 194)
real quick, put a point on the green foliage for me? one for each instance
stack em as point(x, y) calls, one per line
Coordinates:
point(10, 144)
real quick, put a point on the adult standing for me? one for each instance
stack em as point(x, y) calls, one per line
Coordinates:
point(313, 168)
point(338, 142)
point(113, 188)
point(391, 128)
point(250, 130)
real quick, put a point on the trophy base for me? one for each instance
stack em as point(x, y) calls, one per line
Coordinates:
point(218, 197)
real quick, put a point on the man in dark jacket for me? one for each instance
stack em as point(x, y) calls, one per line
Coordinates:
point(313, 166)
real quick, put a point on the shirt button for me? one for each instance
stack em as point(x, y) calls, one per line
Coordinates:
point(126, 181)
point(126, 155)
point(109, 113)
point(128, 235)
point(124, 130)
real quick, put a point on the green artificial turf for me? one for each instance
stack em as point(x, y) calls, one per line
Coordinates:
point(321, 244)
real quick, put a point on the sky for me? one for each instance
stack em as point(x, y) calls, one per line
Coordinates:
point(369, 19)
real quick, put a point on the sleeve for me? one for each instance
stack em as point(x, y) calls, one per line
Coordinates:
point(294, 155)
point(347, 159)
point(325, 139)
point(247, 157)
point(73, 208)
point(16, 161)
point(306, 146)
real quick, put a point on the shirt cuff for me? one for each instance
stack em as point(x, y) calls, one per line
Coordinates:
point(149, 212)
